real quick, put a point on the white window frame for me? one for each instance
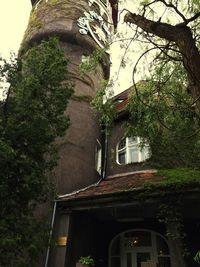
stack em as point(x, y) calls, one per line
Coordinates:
point(150, 249)
point(143, 153)
point(98, 157)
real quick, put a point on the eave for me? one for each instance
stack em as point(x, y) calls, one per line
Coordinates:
point(134, 197)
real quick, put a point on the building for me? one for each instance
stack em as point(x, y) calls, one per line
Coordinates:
point(103, 208)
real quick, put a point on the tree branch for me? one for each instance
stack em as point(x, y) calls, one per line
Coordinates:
point(160, 29)
point(182, 36)
point(189, 20)
point(173, 7)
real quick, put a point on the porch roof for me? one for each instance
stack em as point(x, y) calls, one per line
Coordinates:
point(119, 183)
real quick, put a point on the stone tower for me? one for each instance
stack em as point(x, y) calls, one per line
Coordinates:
point(81, 27)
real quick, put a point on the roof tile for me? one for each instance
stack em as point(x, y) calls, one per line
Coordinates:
point(115, 184)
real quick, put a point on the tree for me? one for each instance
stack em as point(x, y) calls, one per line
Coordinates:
point(31, 118)
point(178, 39)
point(166, 119)
point(164, 109)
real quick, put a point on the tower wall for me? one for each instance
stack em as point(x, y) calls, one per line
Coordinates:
point(76, 166)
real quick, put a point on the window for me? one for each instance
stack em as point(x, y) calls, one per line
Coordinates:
point(98, 157)
point(139, 247)
point(132, 149)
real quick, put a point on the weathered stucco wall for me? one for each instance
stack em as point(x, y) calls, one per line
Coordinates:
point(76, 167)
point(58, 17)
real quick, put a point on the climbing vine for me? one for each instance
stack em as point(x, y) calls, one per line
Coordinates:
point(31, 118)
point(171, 216)
point(104, 105)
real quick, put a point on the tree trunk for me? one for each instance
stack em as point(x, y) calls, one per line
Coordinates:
point(182, 36)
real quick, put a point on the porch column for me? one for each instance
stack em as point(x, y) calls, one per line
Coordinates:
point(176, 245)
point(60, 240)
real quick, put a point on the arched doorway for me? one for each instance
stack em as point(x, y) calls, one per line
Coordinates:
point(139, 248)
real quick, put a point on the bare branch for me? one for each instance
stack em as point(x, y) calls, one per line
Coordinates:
point(175, 8)
point(189, 20)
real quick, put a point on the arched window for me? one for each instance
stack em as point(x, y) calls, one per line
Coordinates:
point(132, 149)
point(137, 248)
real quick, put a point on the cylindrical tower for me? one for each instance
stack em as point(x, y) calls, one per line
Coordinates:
point(81, 27)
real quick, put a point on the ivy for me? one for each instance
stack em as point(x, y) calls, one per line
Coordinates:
point(102, 103)
point(31, 118)
point(90, 63)
point(175, 180)
point(105, 107)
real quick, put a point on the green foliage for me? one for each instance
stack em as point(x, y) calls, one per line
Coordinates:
point(90, 63)
point(175, 179)
point(31, 117)
point(171, 215)
point(162, 112)
point(181, 175)
point(34, 20)
point(104, 105)
point(197, 257)
point(87, 260)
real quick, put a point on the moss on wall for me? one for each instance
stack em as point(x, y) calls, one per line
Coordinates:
point(52, 11)
point(176, 179)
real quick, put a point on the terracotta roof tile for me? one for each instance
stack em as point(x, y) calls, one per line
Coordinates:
point(117, 183)
point(121, 100)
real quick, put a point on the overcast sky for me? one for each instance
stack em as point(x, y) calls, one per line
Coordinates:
point(14, 16)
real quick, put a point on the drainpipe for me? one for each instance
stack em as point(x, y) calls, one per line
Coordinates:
point(105, 155)
point(51, 233)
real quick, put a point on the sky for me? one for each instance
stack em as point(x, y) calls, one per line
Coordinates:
point(14, 16)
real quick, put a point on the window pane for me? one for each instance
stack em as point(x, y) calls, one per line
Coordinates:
point(164, 262)
point(122, 157)
point(128, 260)
point(162, 247)
point(98, 159)
point(115, 262)
point(122, 144)
point(115, 249)
point(132, 140)
point(137, 239)
point(130, 151)
point(142, 257)
point(133, 154)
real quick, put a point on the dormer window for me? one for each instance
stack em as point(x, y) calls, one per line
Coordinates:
point(132, 150)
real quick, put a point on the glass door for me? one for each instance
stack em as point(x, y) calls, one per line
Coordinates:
point(139, 248)
point(137, 258)
point(142, 257)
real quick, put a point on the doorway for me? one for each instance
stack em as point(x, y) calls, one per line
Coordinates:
point(139, 248)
